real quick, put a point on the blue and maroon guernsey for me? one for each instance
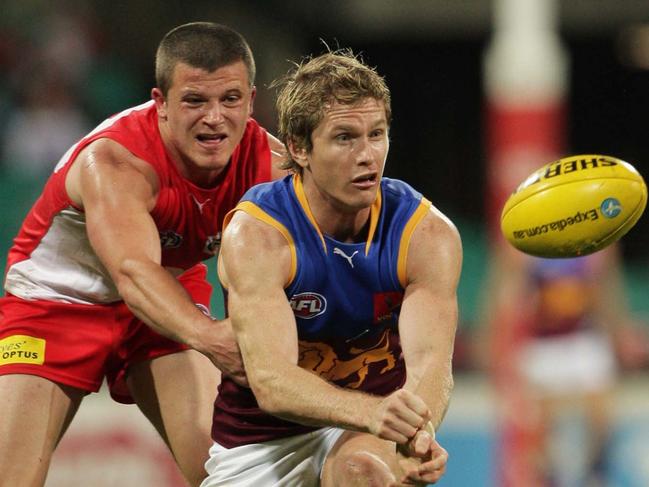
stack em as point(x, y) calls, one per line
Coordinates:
point(346, 298)
point(565, 295)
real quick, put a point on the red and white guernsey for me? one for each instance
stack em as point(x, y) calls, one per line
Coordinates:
point(52, 259)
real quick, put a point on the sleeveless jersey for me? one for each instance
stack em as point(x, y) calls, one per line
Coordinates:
point(346, 299)
point(51, 257)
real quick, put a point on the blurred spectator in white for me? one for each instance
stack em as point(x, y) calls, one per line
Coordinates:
point(558, 355)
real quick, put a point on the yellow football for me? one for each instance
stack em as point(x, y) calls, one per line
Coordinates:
point(574, 206)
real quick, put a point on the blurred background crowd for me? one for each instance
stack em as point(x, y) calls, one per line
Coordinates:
point(481, 97)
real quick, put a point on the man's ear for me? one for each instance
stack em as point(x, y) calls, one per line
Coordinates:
point(253, 93)
point(298, 154)
point(160, 103)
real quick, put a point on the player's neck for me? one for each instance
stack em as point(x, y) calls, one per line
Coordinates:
point(346, 228)
point(336, 220)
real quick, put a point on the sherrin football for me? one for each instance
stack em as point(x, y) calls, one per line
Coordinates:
point(574, 206)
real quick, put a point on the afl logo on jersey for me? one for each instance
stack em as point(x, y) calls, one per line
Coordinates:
point(170, 239)
point(308, 305)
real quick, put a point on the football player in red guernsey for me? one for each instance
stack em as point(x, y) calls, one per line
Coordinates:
point(105, 278)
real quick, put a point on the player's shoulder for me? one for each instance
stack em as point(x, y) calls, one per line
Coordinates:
point(398, 190)
point(253, 248)
point(435, 249)
point(106, 161)
point(125, 133)
point(437, 224)
point(436, 229)
point(432, 225)
point(108, 151)
point(254, 132)
point(249, 231)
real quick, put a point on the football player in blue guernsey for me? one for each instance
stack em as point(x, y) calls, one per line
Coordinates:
point(342, 294)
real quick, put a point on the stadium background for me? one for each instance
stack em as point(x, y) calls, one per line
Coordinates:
point(78, 61)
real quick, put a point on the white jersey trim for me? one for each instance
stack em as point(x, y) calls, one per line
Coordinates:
point(63, 267)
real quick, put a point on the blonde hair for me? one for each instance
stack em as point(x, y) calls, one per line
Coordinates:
point(307, 91)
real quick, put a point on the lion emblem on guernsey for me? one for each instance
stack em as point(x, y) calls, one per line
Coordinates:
point(351, 370)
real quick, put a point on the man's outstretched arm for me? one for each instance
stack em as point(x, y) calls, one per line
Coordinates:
point(117, 191)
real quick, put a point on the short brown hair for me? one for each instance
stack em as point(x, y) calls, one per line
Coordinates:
point(307, 91)
point(204, 45)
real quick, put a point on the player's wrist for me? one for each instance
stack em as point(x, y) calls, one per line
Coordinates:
point(202, 336)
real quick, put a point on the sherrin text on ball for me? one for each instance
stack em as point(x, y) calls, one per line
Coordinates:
point(574, 206)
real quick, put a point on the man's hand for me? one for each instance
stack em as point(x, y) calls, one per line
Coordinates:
point(224, 352)
point(399, 416)
point(422, 460)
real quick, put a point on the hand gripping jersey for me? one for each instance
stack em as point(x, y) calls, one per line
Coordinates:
point(346, 299)
point(52, 258)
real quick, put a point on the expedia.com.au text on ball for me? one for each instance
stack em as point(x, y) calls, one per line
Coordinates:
point(558, 225)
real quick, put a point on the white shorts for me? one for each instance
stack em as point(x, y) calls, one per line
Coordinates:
point(578, 363)
point(295, 461)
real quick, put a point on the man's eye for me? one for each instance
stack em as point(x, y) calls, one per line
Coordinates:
point(231, 99)
point(193, 101)
point(342, 137)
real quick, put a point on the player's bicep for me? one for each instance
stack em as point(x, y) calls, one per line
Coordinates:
point(254, 263)
point(116, 198)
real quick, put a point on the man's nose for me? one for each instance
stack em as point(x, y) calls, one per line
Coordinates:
point(213, 114)
point(363, 150)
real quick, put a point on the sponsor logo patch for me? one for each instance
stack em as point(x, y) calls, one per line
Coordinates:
point(308, 305)
point(387, 306)
point(22, 349)
point(170, 239)
point(610, 208)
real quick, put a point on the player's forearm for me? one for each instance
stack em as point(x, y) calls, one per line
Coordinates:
point(267, 335)
point(158, 299)
point(439, 400)
point(433, 381)
point(297, 395)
